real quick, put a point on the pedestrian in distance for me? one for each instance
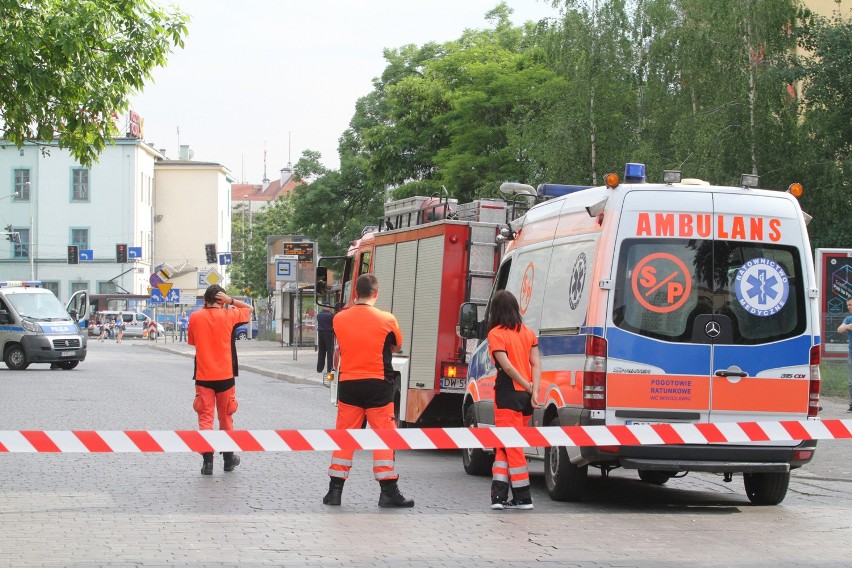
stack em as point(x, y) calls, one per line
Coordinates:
point(325, 340)
point(183, 325)
point(104, 327)
point(846, 327)
point(366, 337)
point(119, 327)
point(210, 330)
point(514, 349)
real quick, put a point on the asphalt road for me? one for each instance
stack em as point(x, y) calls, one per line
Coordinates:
point(157, 510)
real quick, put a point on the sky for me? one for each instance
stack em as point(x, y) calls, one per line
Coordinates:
point(283, 76)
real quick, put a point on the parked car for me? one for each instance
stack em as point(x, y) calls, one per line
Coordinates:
point(242, 330)
point(134, 323)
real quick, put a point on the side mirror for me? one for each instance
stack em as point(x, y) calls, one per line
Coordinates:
point(321, 280)
point(468, 321)
point(4, 316)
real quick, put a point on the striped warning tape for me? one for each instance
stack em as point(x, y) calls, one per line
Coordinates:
point(95, 441)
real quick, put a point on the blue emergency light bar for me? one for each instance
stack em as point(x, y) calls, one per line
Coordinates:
point(558, 189)
point(20, 283)
point(634, 173)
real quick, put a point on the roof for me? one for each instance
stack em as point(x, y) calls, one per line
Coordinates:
point(255, 192)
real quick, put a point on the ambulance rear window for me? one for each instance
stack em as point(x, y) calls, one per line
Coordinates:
point(668, 288)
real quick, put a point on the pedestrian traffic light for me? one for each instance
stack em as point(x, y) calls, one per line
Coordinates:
point(73, 254)
point(121, 254)
point(210, 250)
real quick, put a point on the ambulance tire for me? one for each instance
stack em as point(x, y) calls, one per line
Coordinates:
point(766, 488)
point(68, 365)
point(564, 480)
point(476, 461)
point(16, 358)
point(655, 477)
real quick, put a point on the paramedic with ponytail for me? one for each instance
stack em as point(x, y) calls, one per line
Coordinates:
point(514, 348)
point(211, 331)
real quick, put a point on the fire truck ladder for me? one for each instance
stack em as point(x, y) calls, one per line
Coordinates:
point(484, 258)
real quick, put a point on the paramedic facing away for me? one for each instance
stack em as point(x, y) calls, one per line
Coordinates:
point(846, 327)
point(211, 332)
point(514, 348)
point(366, 336)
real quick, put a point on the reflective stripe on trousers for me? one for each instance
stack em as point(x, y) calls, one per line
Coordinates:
point(510, 464)
point(352, 417)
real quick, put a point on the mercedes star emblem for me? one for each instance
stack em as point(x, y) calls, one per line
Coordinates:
point(712, 329)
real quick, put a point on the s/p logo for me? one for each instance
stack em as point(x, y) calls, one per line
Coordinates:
point(661, 282)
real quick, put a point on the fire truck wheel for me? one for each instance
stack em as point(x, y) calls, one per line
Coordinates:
point(766, 488)
point(564, 480)
point(655, 477)
point(16, 358)
point(476, 461)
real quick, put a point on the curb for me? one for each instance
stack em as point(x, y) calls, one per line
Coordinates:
point(286, 377)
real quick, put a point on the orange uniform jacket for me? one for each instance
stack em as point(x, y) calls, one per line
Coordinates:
point(367, 336)
point(215, 352)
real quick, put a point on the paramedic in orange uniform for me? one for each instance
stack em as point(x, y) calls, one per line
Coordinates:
point(366, 337)
point(514, 348)
point(211, 332)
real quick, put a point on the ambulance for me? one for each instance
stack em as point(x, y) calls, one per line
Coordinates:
point(36, 328)
point(673, 302)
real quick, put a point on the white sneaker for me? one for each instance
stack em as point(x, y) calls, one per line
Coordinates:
point(521, 505)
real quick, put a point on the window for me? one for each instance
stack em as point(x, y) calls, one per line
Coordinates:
point(22, 247)
point(108, 287)
point(79, 285)
point(652, 297)
point(51, 285)
point(80, 184)
point(22, 185)
point(80, 237)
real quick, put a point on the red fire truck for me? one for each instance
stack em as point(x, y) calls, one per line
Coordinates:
point(430, 256)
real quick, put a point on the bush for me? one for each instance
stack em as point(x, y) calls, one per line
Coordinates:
point(835, 378)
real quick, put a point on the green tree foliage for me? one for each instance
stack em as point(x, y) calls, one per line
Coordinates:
point(70, 66)
point(703, 86)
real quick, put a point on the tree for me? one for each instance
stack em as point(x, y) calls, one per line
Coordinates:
point(70, 66)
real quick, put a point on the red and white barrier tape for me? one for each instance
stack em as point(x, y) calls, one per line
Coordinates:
point(97, 441)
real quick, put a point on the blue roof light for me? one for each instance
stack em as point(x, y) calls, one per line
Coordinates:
point(634, 173)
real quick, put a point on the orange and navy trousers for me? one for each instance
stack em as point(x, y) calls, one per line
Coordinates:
point(215, 399)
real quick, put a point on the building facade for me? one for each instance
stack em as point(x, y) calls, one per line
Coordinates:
point(50, 201)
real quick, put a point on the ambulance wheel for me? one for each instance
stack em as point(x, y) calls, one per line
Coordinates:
point(16, 358)
point(564, 480)
point(655, 477)
point(68, 365)
point(766, 488)
point(476, 461)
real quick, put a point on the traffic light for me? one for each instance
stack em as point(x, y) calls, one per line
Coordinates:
point(9, 233)
point(210, 250)
point(121, 254)
point(73, 254)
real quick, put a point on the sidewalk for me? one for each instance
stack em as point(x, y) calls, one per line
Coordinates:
point(266, 358)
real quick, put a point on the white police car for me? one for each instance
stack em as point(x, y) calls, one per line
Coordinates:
point(36, 328)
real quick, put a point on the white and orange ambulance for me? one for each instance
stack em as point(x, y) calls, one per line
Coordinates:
point(661, 303)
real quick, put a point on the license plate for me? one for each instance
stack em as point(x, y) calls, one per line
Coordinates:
point(453, 384)
point(639, 423)
point(67, 354)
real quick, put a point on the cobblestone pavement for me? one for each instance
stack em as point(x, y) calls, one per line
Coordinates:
point(157, 510)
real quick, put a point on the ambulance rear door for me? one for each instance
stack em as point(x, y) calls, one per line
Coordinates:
point(761, 355)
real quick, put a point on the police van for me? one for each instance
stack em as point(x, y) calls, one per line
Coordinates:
point(36, 328)
point(673, 302)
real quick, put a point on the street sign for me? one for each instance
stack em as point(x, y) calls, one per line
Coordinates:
point(134, 253)
point(157, 297)
point(287, 270)
point(186, 298)
point(286, 257)
point(155, 280)
point(87, 254)
point(208, 278)
point(224, 258)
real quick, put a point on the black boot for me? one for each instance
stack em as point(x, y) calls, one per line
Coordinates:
point(232, 460)
point(207, 465)
point(499, 494)
point(335, 491)
point(390, 495)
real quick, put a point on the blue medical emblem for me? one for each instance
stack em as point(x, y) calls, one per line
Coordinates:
point(762, 287)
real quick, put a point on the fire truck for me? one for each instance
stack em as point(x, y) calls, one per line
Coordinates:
point(430, 255)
